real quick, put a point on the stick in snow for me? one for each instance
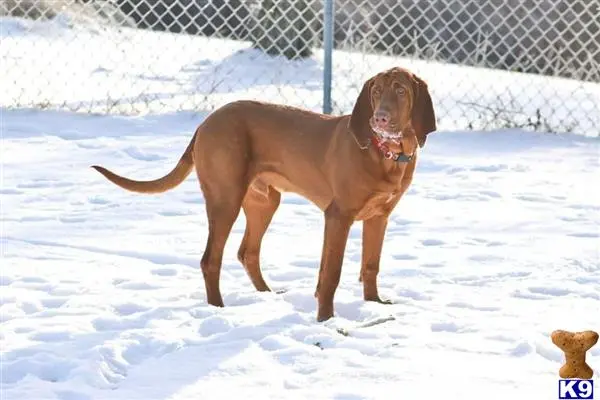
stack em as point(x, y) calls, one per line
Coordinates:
point(368, 324)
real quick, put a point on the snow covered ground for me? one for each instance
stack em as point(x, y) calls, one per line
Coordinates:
point(496, 244)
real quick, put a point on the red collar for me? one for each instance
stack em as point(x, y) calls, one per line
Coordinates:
point(387, 153)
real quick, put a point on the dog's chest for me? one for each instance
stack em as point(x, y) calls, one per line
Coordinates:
point(376, 204)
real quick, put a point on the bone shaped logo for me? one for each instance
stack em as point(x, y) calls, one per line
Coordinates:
point(575, 345)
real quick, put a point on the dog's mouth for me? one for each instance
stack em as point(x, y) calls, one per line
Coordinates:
point(387, 134)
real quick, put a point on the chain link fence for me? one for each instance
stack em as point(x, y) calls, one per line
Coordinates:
point(489, 63)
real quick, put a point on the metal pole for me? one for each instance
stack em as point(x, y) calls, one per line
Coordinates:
point(328, 47)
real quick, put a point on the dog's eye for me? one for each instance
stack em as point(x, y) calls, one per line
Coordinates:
point(377, 91)
point(401, 91)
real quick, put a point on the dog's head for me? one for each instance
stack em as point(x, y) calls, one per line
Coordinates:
point(393, 103)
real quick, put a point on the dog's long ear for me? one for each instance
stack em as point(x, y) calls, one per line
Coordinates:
point(423, 115)
point(362, 112)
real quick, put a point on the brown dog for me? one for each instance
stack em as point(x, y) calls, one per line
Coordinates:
point(354, 168)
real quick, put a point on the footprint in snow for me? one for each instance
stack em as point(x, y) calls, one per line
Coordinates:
point(137, 286)
point(432, 242)
point(490, 168)
point(54, 302)
point(98, 200)
point(412, 294)
point(6, 281)
point(32, 279)
point(138, 154)
point(164, 271)
point(51, 336)
point(590, 235)
point(522, 349)
point(45, 367)
point(467, 306)
point(433, 265)
point(126, 309)
point(305, 263)
point(450, 327)
point(404, 257)
point(550, 291)
point(44, 184)
point(10, 191)
point(214, 325)
point(245, 298)
point(533, 198)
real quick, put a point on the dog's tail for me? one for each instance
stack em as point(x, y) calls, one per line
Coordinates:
point(160, 185)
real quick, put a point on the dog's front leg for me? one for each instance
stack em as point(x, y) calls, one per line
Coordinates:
point(372, 237)
point(337, 227)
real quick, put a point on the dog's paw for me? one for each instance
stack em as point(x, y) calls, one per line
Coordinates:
point(379, 300)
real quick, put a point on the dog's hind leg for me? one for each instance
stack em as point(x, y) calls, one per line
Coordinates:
point(259, 209)
point(221, 218)
point(224, 189)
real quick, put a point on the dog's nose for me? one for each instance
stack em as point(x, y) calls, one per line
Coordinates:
point(382, 118)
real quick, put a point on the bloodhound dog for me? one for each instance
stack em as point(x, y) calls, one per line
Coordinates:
point(353, 167)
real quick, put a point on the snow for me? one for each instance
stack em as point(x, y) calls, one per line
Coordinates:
point(495, 245)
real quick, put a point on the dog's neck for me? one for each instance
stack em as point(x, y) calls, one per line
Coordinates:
point(393, 148)
point(401, 149)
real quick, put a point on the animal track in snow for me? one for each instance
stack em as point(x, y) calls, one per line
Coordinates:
point(405, 257)
point(412, 294)
point(137, 286)
point(54, 302)
point(592, 235)
point(175, 213)
point(303, 301)
point(432, 242)
point(476, 241)
point(11, 191)
point(72, 219)
point(490, 168)
point(450, 327)
point(44, 184)
point(433, 265)
point(408, 272)
point(98, 200)
point(305, 264)
point(164, 271)
point(6, 280)
point(549, 291)
point(135, 153)
point(125, 309)
point(214, 325)
point(44, 366)
point(534, 198)
point(467, 306)
point(51, 336)
point(32, 279)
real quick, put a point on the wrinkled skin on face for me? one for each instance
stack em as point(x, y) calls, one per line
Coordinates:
point(391, 100)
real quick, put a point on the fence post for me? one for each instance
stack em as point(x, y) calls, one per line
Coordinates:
point(328, 49)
